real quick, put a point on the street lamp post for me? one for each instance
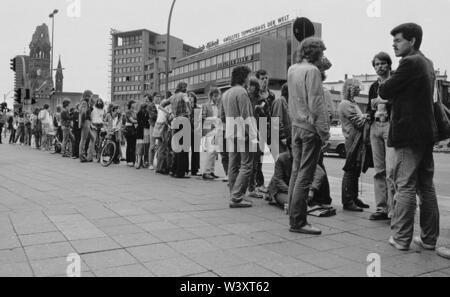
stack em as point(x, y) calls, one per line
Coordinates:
point(168, 47)
point(52, 16)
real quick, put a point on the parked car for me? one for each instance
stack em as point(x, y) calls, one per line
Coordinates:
point(337, 142)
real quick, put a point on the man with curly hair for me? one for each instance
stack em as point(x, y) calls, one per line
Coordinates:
point(311, 129)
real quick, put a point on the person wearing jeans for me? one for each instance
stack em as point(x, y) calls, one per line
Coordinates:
point(86, 133)
point(379, 111)
point(210, 117)
point(65, 125)
point(311, 128)
point(413, 132)
point(236, 105)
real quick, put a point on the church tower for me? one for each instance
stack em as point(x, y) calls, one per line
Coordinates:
point(40, 74)
point(59, 78)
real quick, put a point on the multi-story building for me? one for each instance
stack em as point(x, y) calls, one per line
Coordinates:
point(137, 59)
point(270, 47)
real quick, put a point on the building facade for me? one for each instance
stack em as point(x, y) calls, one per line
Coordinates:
point(137, 59)
point(272, 49)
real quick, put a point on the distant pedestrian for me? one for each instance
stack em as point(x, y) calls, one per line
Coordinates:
point(195, 131)
point(142, 142)
point(76, 131)
point(181, 108)
point(86, 134)
point(66, 122)
point(149, 140)
point(130, 133)
point(44, 118)
point(2, 122)
point(210, 119)
point(413, 132)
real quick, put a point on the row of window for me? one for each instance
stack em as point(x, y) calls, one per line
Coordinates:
point(127, 60)
point(127, 69)
point(127, 97)
point(149, 67)
point(127, 88)
point(149, 76)
point(128, 78)
point(128, 51)
point(219, 59)
point(130, 40)
point(213, 76)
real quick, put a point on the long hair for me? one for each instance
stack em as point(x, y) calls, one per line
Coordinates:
point(311, 49)
point(348, 85)
point(254, 82)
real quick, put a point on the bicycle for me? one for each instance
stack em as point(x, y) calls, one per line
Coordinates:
point(109, 149)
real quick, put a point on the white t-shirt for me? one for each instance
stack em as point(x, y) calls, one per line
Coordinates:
point(97, 116)
point(44, 116)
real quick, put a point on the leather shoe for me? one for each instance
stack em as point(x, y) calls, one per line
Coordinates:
point(308, 229)
point(242, 204)
point(353, 208)
point(397, 246)
point(379, 216)
point(361, 204)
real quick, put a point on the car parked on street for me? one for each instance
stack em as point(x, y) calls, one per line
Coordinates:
point(337, 141)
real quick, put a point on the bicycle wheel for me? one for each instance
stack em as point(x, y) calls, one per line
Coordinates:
point(108, 153)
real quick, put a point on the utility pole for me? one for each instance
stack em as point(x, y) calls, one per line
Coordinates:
point(168, 48)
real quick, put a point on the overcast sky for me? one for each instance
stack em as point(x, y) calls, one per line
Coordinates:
point(351, 36)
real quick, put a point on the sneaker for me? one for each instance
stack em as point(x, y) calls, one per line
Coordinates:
point(151, 168)
point(308, 229)
point(243, 204)
point(379, 216)
point(397, 246)
point(361, 204)
point(444, 252)
point(419, 242)
point(255, 195)
point(262, 189)
point(215, 176)
point(130, 164)
point(353, 208)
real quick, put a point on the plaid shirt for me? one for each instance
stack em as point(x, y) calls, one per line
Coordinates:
point(180, 105)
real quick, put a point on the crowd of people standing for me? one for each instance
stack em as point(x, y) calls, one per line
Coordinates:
point(395, 135)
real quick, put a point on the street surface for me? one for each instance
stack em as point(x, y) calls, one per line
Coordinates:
point(125, 222)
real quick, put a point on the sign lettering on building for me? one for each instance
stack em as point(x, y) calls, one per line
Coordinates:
point(236, 61)
point(247, 33)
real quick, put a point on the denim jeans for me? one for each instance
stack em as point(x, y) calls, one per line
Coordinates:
point(239, 172)
point(306, 148)
point(210, 162)
point(414, 173)
point(382, 158)
point(86, 133)
point(66, 137)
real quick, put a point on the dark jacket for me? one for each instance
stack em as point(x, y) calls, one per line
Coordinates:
point(373, 94)
point(280, 109)
point(281, 178)
point(359, 153)
point(411, 91)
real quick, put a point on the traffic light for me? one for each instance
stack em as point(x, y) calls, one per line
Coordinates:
point(18, 96)
point(13, 64)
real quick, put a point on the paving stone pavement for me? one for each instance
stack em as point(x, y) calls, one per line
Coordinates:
point(125, 222)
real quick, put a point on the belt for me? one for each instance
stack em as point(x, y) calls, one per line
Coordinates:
point(382, 121)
